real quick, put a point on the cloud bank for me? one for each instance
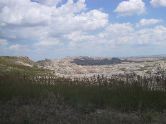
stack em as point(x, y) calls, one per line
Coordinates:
point(52, 25)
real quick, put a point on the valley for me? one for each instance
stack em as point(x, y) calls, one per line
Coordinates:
point(69, 67)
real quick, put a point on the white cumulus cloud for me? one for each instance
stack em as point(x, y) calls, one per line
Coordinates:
point(148, 22)
point(131, 7)
point(157, 3)
point(35, 20)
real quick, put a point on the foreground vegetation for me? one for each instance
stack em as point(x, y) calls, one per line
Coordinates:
point(38, 99)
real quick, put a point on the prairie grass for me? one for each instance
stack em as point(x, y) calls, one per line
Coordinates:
point(119, 95)
point(31, 97)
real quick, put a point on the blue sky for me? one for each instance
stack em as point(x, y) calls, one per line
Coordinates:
point(59, 28)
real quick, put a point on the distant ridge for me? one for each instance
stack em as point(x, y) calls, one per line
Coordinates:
point(96, 61)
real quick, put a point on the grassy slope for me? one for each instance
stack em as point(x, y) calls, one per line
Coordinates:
point(8, 66)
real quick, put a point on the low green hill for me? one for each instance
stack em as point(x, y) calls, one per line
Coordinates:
point(20, 65)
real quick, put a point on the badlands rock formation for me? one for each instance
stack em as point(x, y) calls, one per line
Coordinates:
point(87, 66)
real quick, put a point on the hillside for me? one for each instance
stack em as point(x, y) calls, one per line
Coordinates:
point(96, 61)
point(20, 65)
point(14, 60)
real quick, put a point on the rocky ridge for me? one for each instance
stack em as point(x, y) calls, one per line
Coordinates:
point(68, 67)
